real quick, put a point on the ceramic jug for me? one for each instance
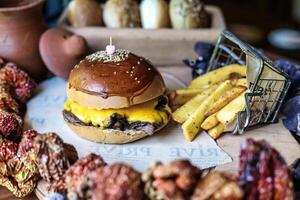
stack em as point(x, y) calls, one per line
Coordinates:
point(21, 25)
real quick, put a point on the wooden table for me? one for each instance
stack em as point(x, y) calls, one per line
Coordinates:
point(275, 134)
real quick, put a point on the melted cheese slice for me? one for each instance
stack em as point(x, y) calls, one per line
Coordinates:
point(145, 112)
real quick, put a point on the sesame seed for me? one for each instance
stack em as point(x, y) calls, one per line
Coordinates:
point(135, 78)
point(127, 72)
point(115, 73)
point(138, 62)
point(138, 81)
point(119, 55)
point(132, 67)
point(149, 69)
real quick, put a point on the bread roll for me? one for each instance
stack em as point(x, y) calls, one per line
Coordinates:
point(121, 14)
point(85, 13)
point(188, 14)
point(155, 14)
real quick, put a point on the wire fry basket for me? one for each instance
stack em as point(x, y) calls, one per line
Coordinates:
point(267, 84)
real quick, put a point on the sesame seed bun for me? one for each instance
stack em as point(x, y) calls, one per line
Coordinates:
point(104, 82)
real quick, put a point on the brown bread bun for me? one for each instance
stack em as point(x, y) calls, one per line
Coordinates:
point(121, 14)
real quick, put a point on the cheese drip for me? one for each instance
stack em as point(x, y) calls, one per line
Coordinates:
point(145, 112)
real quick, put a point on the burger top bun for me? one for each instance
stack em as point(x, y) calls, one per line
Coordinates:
point(120, 80)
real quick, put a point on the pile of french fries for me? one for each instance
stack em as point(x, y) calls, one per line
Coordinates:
point(211, 102)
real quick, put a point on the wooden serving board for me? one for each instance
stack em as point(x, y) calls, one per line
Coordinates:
point(275, 134)
point(153, 44)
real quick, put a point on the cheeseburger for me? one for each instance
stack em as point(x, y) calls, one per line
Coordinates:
point(115, 97)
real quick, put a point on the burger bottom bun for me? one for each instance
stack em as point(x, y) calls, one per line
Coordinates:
point(108, 136)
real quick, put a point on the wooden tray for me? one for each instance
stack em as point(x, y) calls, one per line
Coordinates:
point(161, 46)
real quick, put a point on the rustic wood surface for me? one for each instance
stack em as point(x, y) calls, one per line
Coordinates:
point(275, 134)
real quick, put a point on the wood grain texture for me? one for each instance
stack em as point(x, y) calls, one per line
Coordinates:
point(276, 134)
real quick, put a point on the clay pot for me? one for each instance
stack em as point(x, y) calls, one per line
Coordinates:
point(61, 50)
point(21, 25)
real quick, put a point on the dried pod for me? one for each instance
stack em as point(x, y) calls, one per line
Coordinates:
point(78, 172)
point(21, 83)
point(148, 180)
point(8, 150)
point(71, 153)
point(186, 175)
point(10, 125)
point(175, 180)
point(229, 191)
point(23, 177)
point(248, 172)
point(218, 185)
point(19, 175)
point(207, 186)
point(51, 157)
point(283, 187)
point(115, 182)
point(263, 172)
point(7, 102)
point(26, 144)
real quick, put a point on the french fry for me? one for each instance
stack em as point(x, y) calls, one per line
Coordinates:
point(210, 122)
point(181, 96)
point(216, 131)
point(242, 82)
point(192, 125)
point(227, 97)
point(218, 75)
point(227, 114)
point(183, 113)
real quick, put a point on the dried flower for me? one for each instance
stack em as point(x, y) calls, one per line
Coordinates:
point(51, 157)
point(175, 180)
point(26, 144)
point(21, 83)
point(7, 102)
point(10, 125)
point(115, 182)
point(78, 172)
point(19, 175)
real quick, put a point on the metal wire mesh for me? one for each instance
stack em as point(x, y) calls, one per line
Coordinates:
point(267, 85)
